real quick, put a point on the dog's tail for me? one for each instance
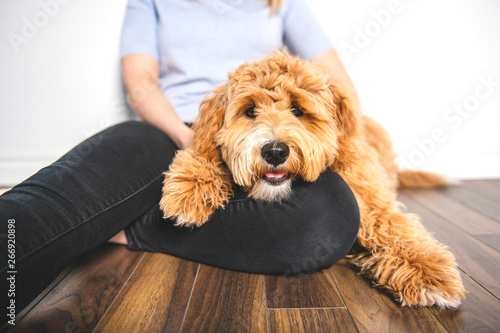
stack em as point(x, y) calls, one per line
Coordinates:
point(421, 179)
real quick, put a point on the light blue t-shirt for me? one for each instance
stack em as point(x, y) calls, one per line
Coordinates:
point(198, 42)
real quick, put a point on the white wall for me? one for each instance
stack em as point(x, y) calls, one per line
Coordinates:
point(59, 78)
point(62, 83)
point(415, 65)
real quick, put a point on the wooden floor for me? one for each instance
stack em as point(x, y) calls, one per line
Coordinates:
point(116, 290)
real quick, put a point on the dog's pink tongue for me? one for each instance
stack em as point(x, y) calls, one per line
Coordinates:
point(275, 175)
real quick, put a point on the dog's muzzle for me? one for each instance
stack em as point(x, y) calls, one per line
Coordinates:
point(275, 154)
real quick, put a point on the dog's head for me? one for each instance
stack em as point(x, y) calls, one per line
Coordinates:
point(275, 120)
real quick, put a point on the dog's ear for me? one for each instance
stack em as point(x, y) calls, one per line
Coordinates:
point(347, 124)
point(209, 121)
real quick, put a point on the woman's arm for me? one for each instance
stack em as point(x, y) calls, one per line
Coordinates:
point(141, 73)
point(330, 63)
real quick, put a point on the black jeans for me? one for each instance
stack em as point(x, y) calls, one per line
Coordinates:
point(113, 181)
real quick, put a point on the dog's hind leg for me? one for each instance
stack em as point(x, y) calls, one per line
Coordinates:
point(378, 138)
point(399, 254)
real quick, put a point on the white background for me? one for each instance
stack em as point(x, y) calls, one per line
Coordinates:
point(412, 62)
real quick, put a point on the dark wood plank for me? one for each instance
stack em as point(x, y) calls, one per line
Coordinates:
point(492, 240)
point(47, 290)
point(155, 297)
point(473, 256)
point(479, 311)
point(313, 290)
point(375, 311)
point(483, 205)
point(310, 320)
point(226, 301)
point(79, 301)
point(489, 188)
point(463, 216)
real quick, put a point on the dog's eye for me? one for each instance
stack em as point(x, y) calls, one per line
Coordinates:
point(296, 111)
point(250, 112)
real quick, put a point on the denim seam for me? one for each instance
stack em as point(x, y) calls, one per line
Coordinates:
point(135, 241)
point(90, 218)
point(62, 166)
point(50, 188)
point(22, 191)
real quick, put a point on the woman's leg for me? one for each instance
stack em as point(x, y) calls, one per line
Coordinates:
point(312, 230)
point(79, 202)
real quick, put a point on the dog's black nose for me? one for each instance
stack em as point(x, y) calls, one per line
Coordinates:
point(275, 153)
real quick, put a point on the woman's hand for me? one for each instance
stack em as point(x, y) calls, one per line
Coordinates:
point(186, 138)
point(141, 73)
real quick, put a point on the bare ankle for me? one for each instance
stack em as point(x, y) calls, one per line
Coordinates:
point(119, 238)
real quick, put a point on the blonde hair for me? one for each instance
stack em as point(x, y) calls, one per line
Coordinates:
point(275, 5)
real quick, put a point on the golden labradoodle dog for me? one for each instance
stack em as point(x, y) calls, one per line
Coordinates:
point(279, 119)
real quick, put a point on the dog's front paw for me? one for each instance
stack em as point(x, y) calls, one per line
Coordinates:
point(428, 286)
point(425, 279)
point(425, 276)
point(193, 189)
point(183, 208)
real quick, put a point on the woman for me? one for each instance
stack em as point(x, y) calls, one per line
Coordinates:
point(173, 53)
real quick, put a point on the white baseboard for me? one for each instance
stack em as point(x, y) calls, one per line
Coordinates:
point(477, 167)
point(465, 166)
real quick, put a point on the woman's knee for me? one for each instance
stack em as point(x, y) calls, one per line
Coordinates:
point(328, 198)
point(333, 221)
point(329, 239)
point(312, 230)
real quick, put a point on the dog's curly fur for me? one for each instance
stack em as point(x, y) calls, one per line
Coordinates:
point(283, 99)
